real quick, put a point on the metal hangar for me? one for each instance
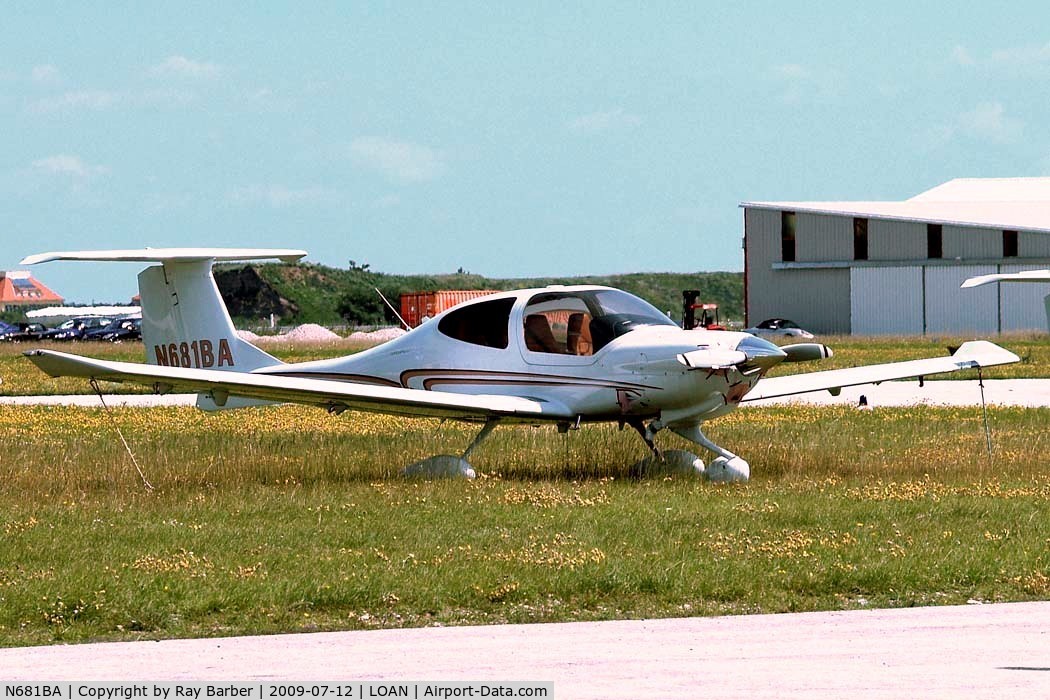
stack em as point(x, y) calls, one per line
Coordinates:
point(894, 268)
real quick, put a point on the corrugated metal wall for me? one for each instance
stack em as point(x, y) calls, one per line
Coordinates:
point(960, 311)
point(1022, 303)
point(867, 299)
point(971, 243)
point(886, 301)
point(895, 240)
point(816, 299)
point(1033, 245)
point(762, 241)
point(821, 238)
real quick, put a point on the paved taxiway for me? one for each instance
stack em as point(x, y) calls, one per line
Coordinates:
point(1001, 392)
point(974, 651)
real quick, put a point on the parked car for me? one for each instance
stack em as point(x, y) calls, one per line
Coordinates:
point(128, 329)
point(74, 328)
point(20, 332)
point(101, 332)
point(781, 327)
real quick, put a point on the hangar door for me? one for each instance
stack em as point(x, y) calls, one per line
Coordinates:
point(950, 309)
point(886, 301)
point(1026, 305)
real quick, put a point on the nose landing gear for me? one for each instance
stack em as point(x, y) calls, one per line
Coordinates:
point(726, 467)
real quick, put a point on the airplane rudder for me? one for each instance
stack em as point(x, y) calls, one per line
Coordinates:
point(185, 322)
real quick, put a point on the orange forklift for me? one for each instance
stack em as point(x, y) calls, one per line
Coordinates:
point(708, 316)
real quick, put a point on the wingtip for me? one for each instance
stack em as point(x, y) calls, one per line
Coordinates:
point(978, 281)
point(984, 354)
point(38, 258)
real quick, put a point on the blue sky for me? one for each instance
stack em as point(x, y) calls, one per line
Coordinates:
point(510, 139)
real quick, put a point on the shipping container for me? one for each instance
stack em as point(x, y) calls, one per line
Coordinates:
point(417, 306)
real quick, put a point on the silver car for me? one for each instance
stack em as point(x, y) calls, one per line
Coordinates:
point(779, 327)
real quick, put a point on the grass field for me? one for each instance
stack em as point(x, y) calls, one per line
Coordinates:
point(287, 519)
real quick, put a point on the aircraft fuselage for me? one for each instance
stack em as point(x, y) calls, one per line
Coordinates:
point(635, 374)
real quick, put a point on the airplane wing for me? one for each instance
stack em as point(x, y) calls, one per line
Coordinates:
point(972, 354)
point(1029, 276)
point(333, 395)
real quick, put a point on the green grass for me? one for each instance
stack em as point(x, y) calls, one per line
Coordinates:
point(286, 519)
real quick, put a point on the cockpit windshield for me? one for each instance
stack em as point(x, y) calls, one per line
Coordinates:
point(583, 322)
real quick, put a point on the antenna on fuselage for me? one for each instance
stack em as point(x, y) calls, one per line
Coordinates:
point(391, 307)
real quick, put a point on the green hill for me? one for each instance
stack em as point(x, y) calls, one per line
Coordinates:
point(310, 293)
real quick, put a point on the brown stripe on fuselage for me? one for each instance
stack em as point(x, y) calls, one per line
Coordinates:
point(460, 377)
point(474, 376)
point(339, 377)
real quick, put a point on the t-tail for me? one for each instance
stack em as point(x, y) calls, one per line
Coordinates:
point(185, 322)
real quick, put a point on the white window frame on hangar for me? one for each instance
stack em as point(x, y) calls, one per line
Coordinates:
point(894, 268)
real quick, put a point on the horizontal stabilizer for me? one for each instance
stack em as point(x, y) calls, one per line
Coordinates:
point(972, 354)
point(335, 396)
point(1029, 276)
point(170, 255)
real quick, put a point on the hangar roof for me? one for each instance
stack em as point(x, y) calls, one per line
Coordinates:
point(1021, 203)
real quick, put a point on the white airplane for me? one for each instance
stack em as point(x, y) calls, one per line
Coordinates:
point(562, 355)
point(1028, 276)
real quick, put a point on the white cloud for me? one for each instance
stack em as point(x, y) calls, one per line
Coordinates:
point(182, 67)
point(102, 100)
point(69, 166)
point(95, 100)
point(399, 160)
point(793, 71)
point(1010, 58)
point(800, 83)
point(280, 196)
point(164, 97)
point(961, 56)
point(156, 203)
point(1020, 56)
point(45, 75)
point(389, 201)
point(598, 122)
point(989, 120)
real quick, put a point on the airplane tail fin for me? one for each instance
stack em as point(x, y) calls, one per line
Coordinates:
point(185, 322)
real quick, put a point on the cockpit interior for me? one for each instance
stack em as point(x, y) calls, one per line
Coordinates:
point(559, 322)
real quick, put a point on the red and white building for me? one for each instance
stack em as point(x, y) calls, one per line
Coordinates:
point(19, 291)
